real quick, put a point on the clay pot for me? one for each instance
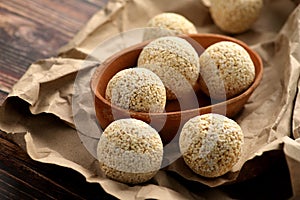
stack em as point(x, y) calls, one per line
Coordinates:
point(170, 122)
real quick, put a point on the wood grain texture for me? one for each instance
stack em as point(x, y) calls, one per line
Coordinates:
point(3, 96)
point(36, 29)
point(32, 30)
point(24, 178)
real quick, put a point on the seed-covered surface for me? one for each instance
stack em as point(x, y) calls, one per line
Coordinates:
point(175, 61)
point(130, 151)
point(226, 70)
point(211, 144)
point(137, 89)
point(166, 24)
point(127, 177)
point(235, 16)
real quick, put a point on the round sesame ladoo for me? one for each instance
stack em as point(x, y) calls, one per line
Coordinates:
point(137, 89)
point(166, 24)
point(130, 151)
point(176, 63)
point(235, 16)
point(211, 144)
point(226, 70)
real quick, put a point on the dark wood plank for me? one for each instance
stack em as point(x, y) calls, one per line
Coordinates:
point(63, 16)
point(3, 96)
point(13, 187)
point(21, 176)
point(273, 183)
point(34, 29)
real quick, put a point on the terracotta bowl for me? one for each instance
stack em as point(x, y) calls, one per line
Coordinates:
point(170, 122)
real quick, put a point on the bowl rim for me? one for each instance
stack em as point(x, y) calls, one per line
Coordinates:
point(101, 67)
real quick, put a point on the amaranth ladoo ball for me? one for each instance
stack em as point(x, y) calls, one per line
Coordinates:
point(166, 24)
point(226, 70)
point(235, 16)
point(176, 63)
point(137, 89)
point(211, 144)
point(130, 151)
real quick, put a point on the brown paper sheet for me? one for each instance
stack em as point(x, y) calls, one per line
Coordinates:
point(44, 96)
point(291, 150)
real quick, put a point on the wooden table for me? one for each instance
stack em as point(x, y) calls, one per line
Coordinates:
point(35, 29)
point(31, 30)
